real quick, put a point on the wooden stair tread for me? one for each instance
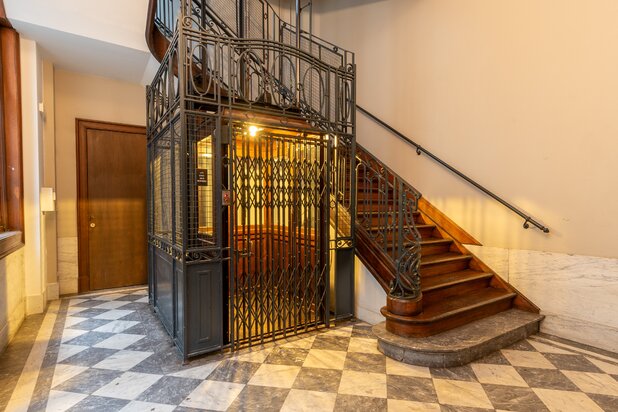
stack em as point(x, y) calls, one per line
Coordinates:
point(444, 280)
point(435, 241)
point(430, 240)
point(379, 212)
point(444, 257)
point(459, 304)
point(419, 227)
point(424, 242)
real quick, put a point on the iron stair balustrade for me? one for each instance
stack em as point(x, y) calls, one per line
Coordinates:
point(385, 213)
point(166, 17)
point(528, 220)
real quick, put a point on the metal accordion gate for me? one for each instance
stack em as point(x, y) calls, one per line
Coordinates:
point(279, 185)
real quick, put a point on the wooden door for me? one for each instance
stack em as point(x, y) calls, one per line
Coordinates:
point(111, 170)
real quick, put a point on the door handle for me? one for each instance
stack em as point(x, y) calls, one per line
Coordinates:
point(93, 225)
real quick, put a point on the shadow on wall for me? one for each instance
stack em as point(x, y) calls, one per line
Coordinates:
point(343, 4)
point(12, 296)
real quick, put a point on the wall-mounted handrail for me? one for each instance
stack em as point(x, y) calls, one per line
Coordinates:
point(421, 150)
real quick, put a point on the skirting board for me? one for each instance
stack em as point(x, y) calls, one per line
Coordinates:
point(36, 303)
point(53, 291)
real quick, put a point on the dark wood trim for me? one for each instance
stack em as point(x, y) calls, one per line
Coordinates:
point(11, 175)
point(4, 20)
point(9, 243)
point(81, 128)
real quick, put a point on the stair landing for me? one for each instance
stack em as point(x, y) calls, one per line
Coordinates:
point(461, 345)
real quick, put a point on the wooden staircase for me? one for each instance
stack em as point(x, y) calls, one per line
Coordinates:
point(457, 288)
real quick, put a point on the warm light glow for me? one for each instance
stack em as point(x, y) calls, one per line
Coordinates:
point(253, 130)
point(208, 155)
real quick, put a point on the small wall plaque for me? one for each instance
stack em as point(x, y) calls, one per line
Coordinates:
point(201, 177)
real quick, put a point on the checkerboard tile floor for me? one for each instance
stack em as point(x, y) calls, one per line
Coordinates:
point(114, 355)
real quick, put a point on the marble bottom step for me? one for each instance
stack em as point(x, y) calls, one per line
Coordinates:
point(461, 345)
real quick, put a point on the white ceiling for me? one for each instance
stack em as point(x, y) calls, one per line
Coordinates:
point(87, 36)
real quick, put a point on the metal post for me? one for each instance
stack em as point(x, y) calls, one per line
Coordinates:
point(298, 24)
point(298, 13)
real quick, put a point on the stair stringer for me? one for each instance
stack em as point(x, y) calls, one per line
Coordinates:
point(520, 302)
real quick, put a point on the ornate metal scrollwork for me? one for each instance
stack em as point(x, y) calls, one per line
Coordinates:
point(386, 213)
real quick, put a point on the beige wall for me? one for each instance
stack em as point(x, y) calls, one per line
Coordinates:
point(94, 98)
point(521, 95)
point(86, 97)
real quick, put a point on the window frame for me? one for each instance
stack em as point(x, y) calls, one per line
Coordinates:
point(11, 167)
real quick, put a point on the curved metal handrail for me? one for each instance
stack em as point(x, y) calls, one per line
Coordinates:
point(421, 150)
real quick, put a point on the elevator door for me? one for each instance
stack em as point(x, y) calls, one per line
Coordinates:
point(279, 217)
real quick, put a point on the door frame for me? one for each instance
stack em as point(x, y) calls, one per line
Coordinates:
point(81, 129)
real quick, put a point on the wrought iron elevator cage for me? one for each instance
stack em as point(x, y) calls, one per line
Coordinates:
point(251, 178)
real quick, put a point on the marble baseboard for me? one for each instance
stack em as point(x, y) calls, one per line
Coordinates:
point(12, 296)
point(576, 293)
point(368, 316)
point(369, 297)
point(67, 265)
point(586, 332)
point(53, 291)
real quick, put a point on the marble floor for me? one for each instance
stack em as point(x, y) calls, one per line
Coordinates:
point(108, 352)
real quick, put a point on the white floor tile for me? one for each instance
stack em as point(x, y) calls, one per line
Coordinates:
point(63, 373)
point(110, 296)
point(59, 401)
point(69, 334)
point(364, 345)
point(326, 359)
point(137, 406)
point(123, 360)
point(128, 386)
point(527, 359)
point(543, 348)
point(66, 351)
point(396, 405)
point(305, 343)
point(498, 375)
point(363, 384)
point(113, 304)
point(73, 310)
point(119, 341)
point(254, 356)
point(309, 401)
point(277, 376)
point(213, 395)
point(72, 321)
point(114, 314)
point(74, 302)
point(116, 326)
point(461, 393)
point(594, 382)
point(605, 366)
point(199, 372)
point(565, 401)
